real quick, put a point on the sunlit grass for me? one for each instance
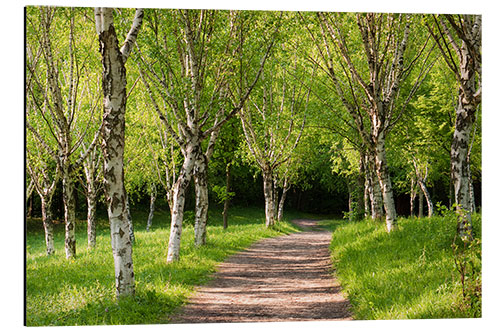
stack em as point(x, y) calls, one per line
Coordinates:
point(81, 291)
point(407, 274)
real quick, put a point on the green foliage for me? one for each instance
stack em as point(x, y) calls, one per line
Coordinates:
point(222, 194)
point(81, 291)
point(407, 274)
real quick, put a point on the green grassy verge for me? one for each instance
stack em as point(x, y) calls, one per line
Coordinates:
point(81, 291)
point(407, 274)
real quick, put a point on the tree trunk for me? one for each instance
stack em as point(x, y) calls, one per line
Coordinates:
point(377, 210)
point(48, 225)
point(460, 168)
point(226, 202)
point(367, 193)
point(360, 187)
point(178, 200)
point(201, 190)
point(349, 201)
point(91, 210)
point(471, 194)
point(69, 214)
point(413, 195)
point(151, 206)
point(268, 196)
point(366, 198)
point(386, 185)
point(114, 85)
point(30, 206)
point(427, 195)
point(129, 219)
point(281, 206)
point(420, 203)
point(275, 197)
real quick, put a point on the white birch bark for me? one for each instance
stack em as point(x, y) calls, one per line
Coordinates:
point(385, 185)
point(281, 206)
point(91, 218)
point(48, 225)
point(423, 191)
point(366, 196)
point(69, 214)
point(377, 210)
point(179, 197)
point(427, 195)
point(268, 195)
point(227, 200)
point(201, 191)
point(113, 143)
point(92, 169)
point(420, 203)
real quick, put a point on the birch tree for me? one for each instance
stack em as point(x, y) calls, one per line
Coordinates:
point(370, 86)
point(92, 169)
point(194, 61)
point(459, 40)
point(55, 86)
point(114, 85)
point(44, 179)
point(273, 122)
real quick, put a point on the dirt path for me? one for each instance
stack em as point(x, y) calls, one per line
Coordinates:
point(286, 278)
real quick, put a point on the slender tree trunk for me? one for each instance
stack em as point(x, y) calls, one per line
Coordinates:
point(366, 198)
point(386, 185)
point(69, 214)
point(281, 206)
point(226, 202)
point(114, 86)
point(201, 190)
point(91, 211)
point(349, 201)
point(427, 195)
point(268, 196)
point(413, 195)
point(275, 197)
point(178, 200)
point(48, 225)
point(30, 206)
point(367, 193)
point(360, 190)
point(152, 201)
point(420, 203)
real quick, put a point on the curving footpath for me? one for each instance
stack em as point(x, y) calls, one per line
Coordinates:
point(287, 278)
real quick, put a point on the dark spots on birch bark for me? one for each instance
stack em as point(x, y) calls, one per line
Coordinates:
point(122, 252)
point(119, 280)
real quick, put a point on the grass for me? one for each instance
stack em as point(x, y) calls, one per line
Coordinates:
point(407, 274)
point(81, 291)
